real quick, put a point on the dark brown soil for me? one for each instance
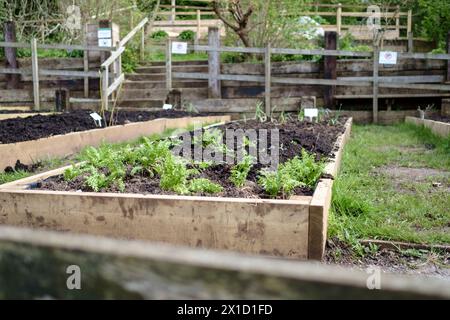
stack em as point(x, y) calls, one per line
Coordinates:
point(316, 138)
point(23, 167)
point(411, 262)
point(440, 119)
point(41, 126)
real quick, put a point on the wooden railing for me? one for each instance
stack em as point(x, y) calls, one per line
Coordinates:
point(115, 60)
point(391, 12)
point(214, 75)
point(169, 18)
point(36, 71)
point(110, 75)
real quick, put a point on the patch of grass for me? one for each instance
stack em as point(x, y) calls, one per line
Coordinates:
point(46, 165)
point(370, 204)
point(13, 176)
point(160, 55)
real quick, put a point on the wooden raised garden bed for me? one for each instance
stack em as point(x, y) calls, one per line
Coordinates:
point(67, 144)
point(437, 127)
point(294, 228)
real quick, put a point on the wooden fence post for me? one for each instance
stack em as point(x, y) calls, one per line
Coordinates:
point(9, 31)
point(61, 100)
point(86, 64)
point(409, 25)
point(173, 11)
point(339, 19)
point(330, 64)
point(268, 80)
point(214, 89)
point(142, 56)
point(169, 65)
point(199, 21)
point(376, 66)
point(448, 61)
point(105, 85)
point(35, 73)
point(397, 20)
point(411, 42)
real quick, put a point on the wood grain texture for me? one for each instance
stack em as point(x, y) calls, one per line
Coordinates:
point(321, 202)
point(277, 228)
point(117, 269)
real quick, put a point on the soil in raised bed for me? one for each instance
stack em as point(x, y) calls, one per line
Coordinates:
point(44, 126)
point(440, 119)
point(317, 138)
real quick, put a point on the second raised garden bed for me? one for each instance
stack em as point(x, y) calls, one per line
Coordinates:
point(440, 127)
point(41, 137)
point(293, 227)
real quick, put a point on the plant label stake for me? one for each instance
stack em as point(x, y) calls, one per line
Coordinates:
point(97, 119)
point(311, 113)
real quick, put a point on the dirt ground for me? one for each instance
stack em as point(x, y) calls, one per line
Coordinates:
point(427, 263)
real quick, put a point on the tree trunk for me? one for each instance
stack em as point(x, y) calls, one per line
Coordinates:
point(13, 80)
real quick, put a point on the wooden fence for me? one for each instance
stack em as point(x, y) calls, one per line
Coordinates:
point(392, 16)
point(36, 72)
point(110, 74)
point(330, 80)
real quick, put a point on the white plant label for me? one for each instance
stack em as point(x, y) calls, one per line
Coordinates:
point(311, 113)
point(388, 57)
point(179, 47)
point(105, 42)
point(167, 106)
point(104, 33)
point(97, 118)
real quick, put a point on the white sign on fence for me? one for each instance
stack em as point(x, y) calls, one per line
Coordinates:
point(388, 57)
point(179, 47)
point(104, 33)
point(105, 42)
point(167, 106)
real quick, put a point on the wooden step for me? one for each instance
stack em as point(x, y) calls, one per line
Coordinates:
point(155, 94)
point(161, 94)
point(146, 76)
point(162, 69)
point(178, 63)
point(161, 84)
point(141, 103)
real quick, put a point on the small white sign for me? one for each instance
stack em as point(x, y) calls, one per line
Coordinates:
point(179, 47)
point(97, 118)
point(167, 106)
point(388, 57)
point(104, 33)
point(105, 42)
point(311, 113)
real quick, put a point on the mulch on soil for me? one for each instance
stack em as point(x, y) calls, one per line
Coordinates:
point(440, 119)
point(44, 126)
point(317, 138)
point(19, 166)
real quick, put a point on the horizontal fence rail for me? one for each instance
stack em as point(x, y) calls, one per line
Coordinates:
point(36, 72)
point(432, 83)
